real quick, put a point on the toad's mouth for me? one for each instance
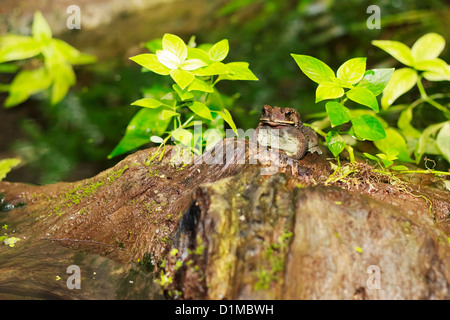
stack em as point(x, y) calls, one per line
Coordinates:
point(277, 123)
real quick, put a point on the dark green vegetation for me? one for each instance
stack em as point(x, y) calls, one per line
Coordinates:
point(72, 139)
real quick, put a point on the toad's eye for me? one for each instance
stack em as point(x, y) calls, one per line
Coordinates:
point(288, 113)
point(263, 111)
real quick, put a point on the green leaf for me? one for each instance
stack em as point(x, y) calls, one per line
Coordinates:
point(313, 68)
point(443, 141)
point(219, 51)
point(201, 110)
point(143, 125)
point(151, 62)
point(427, 143)
point(238, 71)
point(183, 94)
point(174, 45)
point(337, 113)
point(154, 45)
point(399, 168)
point(435, 65)
point(200, 85)
point(183, 136)
point(15, 47)
point(368, 127)
point(147, 103)
point(376, 80)
point(63, 77)
point(168, 114)
point(26, 83)
point(394, 143)
point(225, 114)
point(8, 68)
point(328, 90)
point(196, 53)
point(428, 47)
point(215, 68)
point(182, 78)
point(363, 96)
point(401, 82)
point(371, 157)
point(352, 71)
point(404, 123)
point(168, 59)
point(6, 165)
point(71, 54)
point(335, 143)
point(40, 29)
point(192, 64)
point(398, 50)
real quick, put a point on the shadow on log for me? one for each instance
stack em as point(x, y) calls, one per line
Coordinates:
point(239, 232)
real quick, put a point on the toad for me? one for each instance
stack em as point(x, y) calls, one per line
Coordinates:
point(282, 128)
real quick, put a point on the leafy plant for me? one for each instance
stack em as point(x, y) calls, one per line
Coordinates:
point(422, 63)
point(351, 82)
point(51, 66)
point(6, 165)
point(195, 71)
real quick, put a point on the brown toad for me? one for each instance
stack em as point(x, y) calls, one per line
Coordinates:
point(282, 128)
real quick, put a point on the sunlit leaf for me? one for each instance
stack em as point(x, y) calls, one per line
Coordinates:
point(443, 141)
point(151, 62)
point(398, 50)
point(335, 143)
point(376, 80)
point(6, 166)
point(238, 71)
point(427, 143)
point(16, 47)
point(394, 142)
point(352, 71)
point(201, 110)
point(428, 47)
point(328, 90)
point(401, 82)
point(313, 68)
point(200, 85)
point(175, 45)
point(147, 103)
point(182, 78)
point(40, 29)
point(219, 51)
point(363, 96)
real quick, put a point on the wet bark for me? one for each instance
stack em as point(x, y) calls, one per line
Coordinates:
point(239, 232)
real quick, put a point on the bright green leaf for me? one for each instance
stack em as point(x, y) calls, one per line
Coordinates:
point(394, 143)
point(435, 65)
point(26, 83)
point(215, 68)
point(200, 85)
point(192, 64)
point(376, 80)
point(196, 53)
point(183, 94)
point(328, 90)
point(443, 141)
point(151, 62)
point(183, 136)
point(238, 71)
point(71, 54)
point(201, 110)
point(6, 165)
point(335, 143)
point(404, 123)
point(168, 59)
point(182, 78)
point(225, 114)
point(427, 143)
point(313, 68)
point(401, 82)
point(352, 71)
point(398, 50)
point(40, 29)
point(174, 45)
point(16, 47)
point(63, 77)
point(147, 103)
point(219, 51)
point(167, 114)
point(368, 127)
point(363, 96)
point(428, 47)
point(337, 113)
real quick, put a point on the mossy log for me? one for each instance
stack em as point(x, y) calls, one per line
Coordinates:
point(239, 233)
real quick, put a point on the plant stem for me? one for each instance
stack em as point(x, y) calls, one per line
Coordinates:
point(428, 99)
point(350, 152)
